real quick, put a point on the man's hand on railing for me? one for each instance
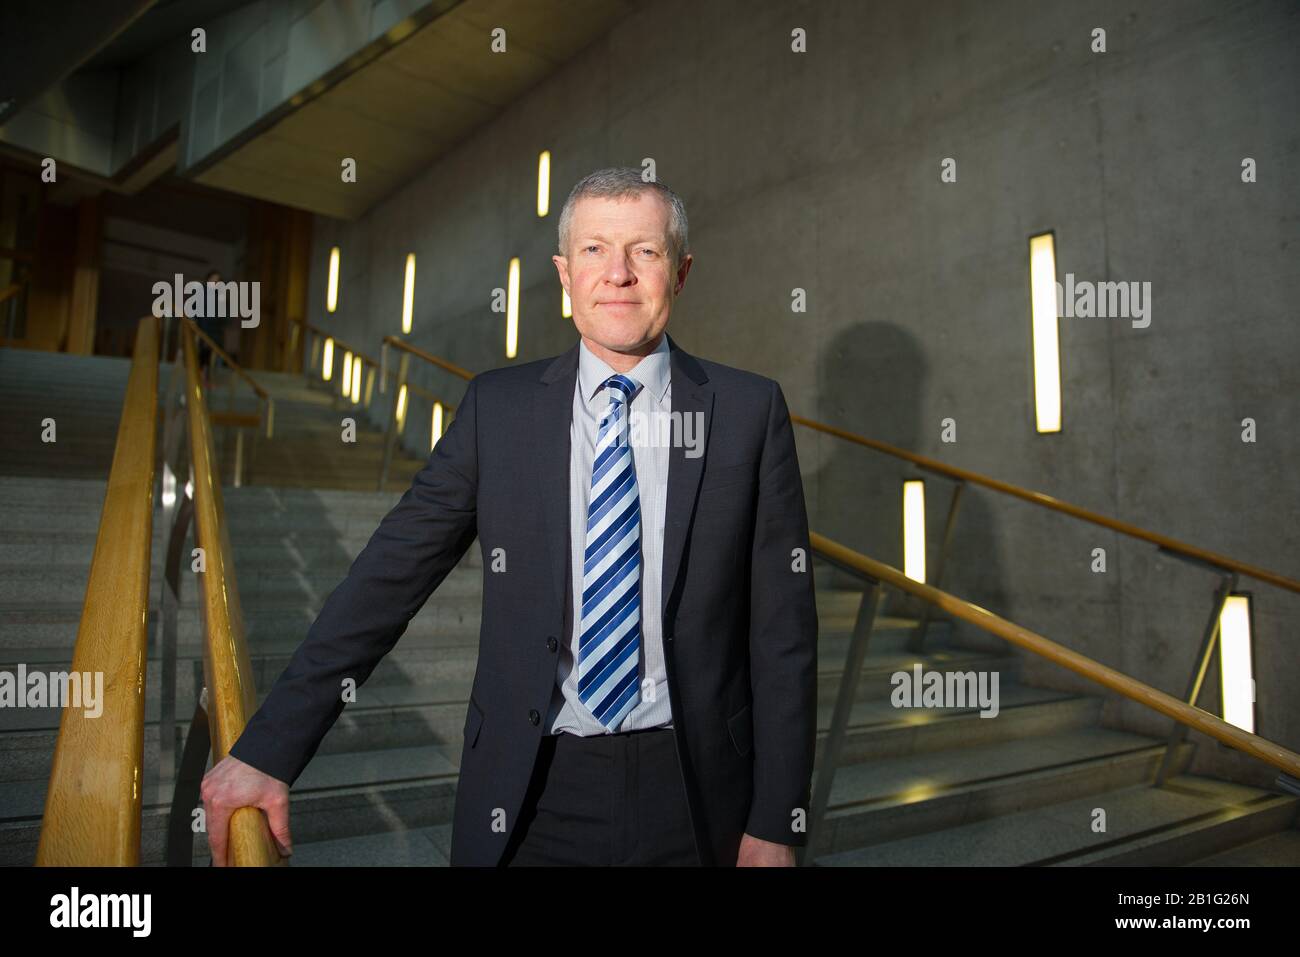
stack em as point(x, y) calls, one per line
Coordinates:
point(231, 785)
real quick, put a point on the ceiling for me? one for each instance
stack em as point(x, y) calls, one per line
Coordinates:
point(409, 104)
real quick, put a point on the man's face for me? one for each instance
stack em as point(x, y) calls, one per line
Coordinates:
point(619, 272)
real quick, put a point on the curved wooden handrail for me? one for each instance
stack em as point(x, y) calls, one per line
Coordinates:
point(1046, 501)
point(228, 674)
point(92, 806)
point(1116, 681)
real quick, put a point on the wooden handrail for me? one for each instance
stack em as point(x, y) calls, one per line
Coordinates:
point(428, 357)
point(228, 673)
point(1006, 488)
point(1116, 681)
point(92, 806)
point(368, 360)
point(11, 290)
point(225, 357)
point(240, 420)
point(262, 394)
point(1046, 501)
point(339, 343)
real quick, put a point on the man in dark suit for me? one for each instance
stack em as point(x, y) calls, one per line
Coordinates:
point(646, 682)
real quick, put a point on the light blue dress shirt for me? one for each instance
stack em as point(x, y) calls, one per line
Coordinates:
point(650, 459)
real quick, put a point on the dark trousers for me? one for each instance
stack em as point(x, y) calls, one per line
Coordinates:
point(605, 800)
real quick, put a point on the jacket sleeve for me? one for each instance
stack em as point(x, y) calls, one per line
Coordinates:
point(782, 641)
point(416, 545)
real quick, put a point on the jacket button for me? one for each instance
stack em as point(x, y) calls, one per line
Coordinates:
point(534, 717)
point(551, 643)
point(668, 637)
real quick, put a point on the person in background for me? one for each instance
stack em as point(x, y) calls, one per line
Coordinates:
point(212, 326)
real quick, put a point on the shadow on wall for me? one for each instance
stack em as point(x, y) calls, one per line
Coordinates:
point(872, 381)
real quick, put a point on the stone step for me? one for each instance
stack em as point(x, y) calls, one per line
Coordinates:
point(1279, 849)
point(1188, 818)
point(900, 796)
point(273, 583)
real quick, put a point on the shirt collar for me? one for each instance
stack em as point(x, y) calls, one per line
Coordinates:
point(653, 371)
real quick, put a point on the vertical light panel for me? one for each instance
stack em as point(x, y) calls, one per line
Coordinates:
point(566, 304)
point(544, 183)
point(408, 294)
point(401, 410)
point(1238, 692)
point(327, 363)
point(1046, 332)
point(358, 368)
point(332, 292)
point(345, 380)
point(435, 427)
point(914, 529)
point(512, 309)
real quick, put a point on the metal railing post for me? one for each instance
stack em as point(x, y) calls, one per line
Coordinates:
point(1209, 639)
point(174, 505)
point(390, 436)
point(917, 642)
point(834, 742)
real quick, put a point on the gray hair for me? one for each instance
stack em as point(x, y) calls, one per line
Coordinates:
point(618, 182)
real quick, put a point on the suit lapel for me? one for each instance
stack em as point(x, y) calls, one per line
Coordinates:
point(553, 415)
point(693, 398)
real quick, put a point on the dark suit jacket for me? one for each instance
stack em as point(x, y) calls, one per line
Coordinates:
point(740, 625)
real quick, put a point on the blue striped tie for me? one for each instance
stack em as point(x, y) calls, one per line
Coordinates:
point(609, 646)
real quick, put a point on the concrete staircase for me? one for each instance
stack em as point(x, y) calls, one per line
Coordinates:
point(83, 394)
point(924, 786)
point(307, 450)
point(916, 786)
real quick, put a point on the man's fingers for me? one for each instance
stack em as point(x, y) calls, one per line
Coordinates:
point(277, 815)
point(218, 818)
point(231, 786)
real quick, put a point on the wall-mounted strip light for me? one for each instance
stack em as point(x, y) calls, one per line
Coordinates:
point(401, 410)
point(408, 294)
point(544, 183)
point(1238, 689)
point(358, 367)
point(332, 293)
point(1045, 332)
point(512, 309)
point(914, 529)
point(435, 429)
point(345, 380)
point(566, 304)
point(370, 385)
point(327, 364)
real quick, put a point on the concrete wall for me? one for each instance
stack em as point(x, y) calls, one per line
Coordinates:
point(822, 171)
